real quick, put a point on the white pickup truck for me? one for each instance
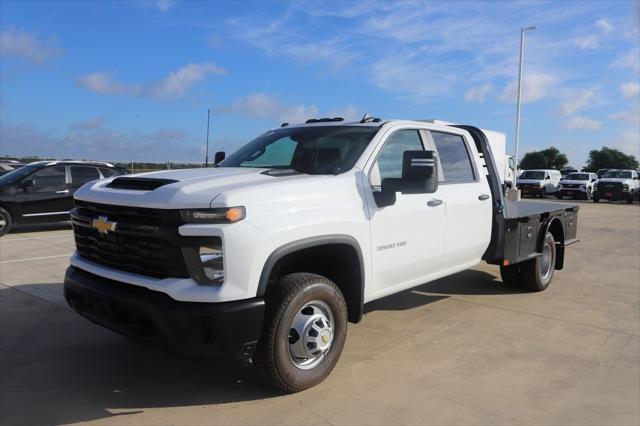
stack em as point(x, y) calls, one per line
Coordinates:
point(267, 256)
point(617, 185)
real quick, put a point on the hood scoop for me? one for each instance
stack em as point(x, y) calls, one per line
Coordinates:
point(139, 184)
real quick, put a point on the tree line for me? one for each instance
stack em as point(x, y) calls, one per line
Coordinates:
point(604, 158)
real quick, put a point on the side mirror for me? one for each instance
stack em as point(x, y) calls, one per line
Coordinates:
point(547, 177)
point(28, 183)
point(419, 176)
point(220, 155)
point(635, 178)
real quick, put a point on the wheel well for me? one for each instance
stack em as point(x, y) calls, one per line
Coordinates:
point(341, 263)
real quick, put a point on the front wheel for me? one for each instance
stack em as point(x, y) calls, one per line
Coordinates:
point(304, 332)
point(5, 221)
point(630, 198)
point(536, 274)
point(596, 199)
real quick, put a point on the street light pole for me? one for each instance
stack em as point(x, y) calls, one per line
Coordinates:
point(518, 107)
point(206, 160)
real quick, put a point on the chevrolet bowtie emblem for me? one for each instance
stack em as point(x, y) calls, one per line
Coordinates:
point(103, 225)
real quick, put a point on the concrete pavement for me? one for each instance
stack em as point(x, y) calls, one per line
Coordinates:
point(461, 350)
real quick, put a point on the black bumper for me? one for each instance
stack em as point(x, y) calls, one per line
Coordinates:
point(530, 190)
point(229, 329)
point(572, 192)
point(611, 195)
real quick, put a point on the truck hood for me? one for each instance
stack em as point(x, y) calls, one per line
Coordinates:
point(192, 188)
point(621, 180)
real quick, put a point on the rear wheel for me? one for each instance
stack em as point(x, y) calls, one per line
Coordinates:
point(5, 221)
point(559, 196)
point(537, 273)
point(596, 199)
point(304, 332)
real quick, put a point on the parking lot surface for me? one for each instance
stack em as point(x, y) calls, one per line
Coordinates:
point(461, 350)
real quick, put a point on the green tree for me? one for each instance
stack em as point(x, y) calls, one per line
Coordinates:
point(550, 158)
point(610, 158)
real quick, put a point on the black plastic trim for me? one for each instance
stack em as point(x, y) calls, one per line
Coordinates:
point(228, 329)
point(306, 243)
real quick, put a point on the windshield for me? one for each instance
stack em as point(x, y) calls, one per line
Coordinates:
point(577, 176)
point(312, 150)
point(532, 175)
point(17, 174)
point(618, 174)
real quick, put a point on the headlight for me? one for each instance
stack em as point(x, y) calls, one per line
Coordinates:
point(216, 215)
point(625, 187)
point(560, 186)
point(583, 187)
point(206, 263)
point(595, 186)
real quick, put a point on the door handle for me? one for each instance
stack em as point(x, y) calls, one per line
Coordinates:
point(483, 197)
point(64, 191)
point(434, 203)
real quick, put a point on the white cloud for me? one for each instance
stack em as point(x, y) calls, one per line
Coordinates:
point(164, 5)
point(477, 94)
point(631, 116)
point(630, 89)
point(534, 87)
point(174, 86)
point(178, 82)
point(577, 102)
point(28, 46)
point(263, 105)
point(579, 122)
point(587, 42)
point(89, 124)
point(604, 25)
point(629, 59)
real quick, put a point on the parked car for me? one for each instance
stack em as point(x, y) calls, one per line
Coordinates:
point(539, 182)
point(617, 185)
point(43, 191)
point(565, 172)
point(577, 185)
point(268, 256)
point(7, 166)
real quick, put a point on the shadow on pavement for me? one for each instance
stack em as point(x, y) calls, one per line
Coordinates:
point(58, 368)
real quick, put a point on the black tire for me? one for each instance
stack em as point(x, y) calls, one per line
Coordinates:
point(596, 199)
point(284, 303)
point(559, 196)
point(630, 197)
point(536, 274)
point(6, 221)
point(511, 275)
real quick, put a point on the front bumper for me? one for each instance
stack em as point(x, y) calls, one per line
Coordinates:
point(530, 189)
point(572, 192)
point(611, 194)
point(229, 329)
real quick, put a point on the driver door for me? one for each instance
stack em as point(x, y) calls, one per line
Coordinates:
point(48, 194)
point(407, 238)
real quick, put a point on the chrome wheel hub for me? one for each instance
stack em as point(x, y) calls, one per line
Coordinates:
point(310, 335)
point(546, 260)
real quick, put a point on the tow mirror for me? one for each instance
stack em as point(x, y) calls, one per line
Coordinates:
point(419, 176)
point(219, 157)
point(28, 183)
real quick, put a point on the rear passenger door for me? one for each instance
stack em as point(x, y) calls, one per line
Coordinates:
point(468, 210)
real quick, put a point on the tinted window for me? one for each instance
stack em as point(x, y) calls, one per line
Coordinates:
point(49, 177)
point(390, 158)
point(107, 172)
point(532, 175)
point(577, 176)
point(454, 158)
point(83, 174)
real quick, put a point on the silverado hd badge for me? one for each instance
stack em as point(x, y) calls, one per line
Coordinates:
point(103, 225)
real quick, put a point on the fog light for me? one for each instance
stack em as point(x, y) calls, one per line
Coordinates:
point(211, 259)
point(206, 262)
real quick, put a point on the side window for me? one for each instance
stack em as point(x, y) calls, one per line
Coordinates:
point(389, 162)
point(48, 178)
point(454, 158)
point(83, 174)
point(108, 172)
point(278, 153)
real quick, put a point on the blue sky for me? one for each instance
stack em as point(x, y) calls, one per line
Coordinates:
point(133, 80)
